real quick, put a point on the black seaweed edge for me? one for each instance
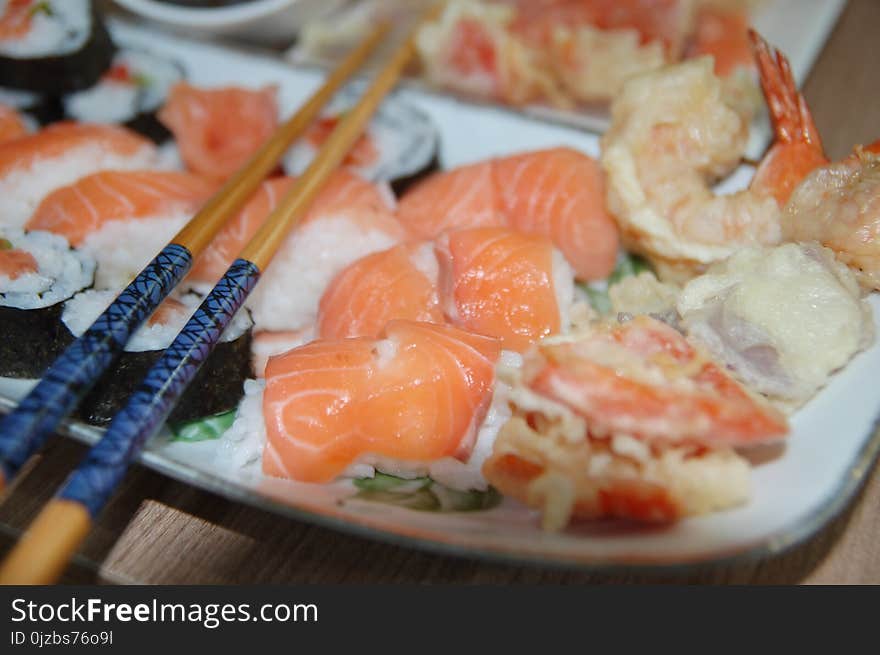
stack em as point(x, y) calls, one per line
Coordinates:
point(31, 340)
point(218, 386)
point(62, 73)
point(147, 122)
point(403, 184)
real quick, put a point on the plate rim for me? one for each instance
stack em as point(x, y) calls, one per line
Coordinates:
point(776, 544)
point(779, 542)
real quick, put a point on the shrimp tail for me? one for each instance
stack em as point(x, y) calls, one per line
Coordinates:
point(792, 120)
point(797, 147)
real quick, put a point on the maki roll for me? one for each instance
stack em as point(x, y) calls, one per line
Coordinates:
point(130, 93)
point(38, 272)
point(52, 46)
point(43, 109)
point(398, 147)
point(218, 386)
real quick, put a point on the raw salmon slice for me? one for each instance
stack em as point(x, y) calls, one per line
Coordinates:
point(217, 130)
point(398, 283)
point(418, 394)
point(560, 193)
point(84, 207)
point(453, 200)
point(500, 283)
point(15, 262)
point(15, 23)
point(60, 139)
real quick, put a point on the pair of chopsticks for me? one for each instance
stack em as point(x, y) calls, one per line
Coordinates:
point(47, 546)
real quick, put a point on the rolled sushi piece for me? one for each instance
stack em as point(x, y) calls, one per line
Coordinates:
point(52, 46)
point(218, 386)
point(43, 109)
point(38, 272)
point(399, 146)
point(130, 93)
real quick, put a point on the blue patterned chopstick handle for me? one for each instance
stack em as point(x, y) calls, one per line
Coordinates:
point(70, 377)
point(94, 481)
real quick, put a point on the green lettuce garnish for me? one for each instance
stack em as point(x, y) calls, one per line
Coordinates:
point(41, 8)
point(203, 429)
point(423, 494)
point(597, 293)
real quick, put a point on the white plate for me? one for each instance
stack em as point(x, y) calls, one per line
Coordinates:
point(263, 21)
point(831, 449)
point(799, 28)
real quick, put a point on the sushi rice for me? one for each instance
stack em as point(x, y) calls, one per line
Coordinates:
point(61, 272)
point(63, 27)
point(288, 293)
point(82, 310)
point(123, 248)
point(404, 136)
point(148, 79)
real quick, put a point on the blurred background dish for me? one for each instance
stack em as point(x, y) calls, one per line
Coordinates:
point(266, 22)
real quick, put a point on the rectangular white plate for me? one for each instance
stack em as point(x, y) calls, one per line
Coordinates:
point(830, 452)
point(799, 28)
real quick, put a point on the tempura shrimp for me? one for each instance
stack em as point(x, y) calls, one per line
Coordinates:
point(839, 206)
point(673, 134)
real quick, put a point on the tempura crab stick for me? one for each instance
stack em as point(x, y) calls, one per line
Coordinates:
point(627, 420)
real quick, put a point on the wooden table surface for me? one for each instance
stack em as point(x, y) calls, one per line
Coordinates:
point(157, 530)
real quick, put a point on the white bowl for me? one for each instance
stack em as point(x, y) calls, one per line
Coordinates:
point(262, 21)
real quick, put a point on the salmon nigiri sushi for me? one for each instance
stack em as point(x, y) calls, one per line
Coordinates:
point(558, 193)
point(506, 284)
point(348, 220)
point(217, 130)
point(33, 166)
point(398, 283)
point(418, 394)
point(452, 200)
point(122, 218)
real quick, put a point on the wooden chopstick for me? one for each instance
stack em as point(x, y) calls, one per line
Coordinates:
point(24, 431)
point(47, 546)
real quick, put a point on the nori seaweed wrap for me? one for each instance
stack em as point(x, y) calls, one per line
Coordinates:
point(44, 109)
point(130, 93)
point(218, 387)
point(38, 272)
point(399, 146)
point(64, 47)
